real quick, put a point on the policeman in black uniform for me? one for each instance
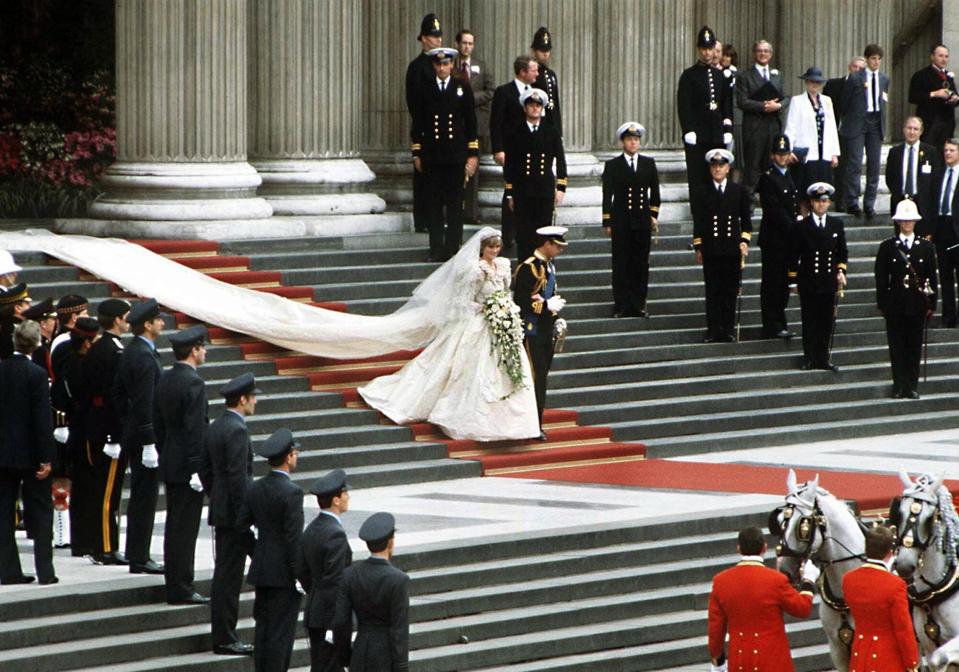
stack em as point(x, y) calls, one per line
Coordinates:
point(44, 314)
point(906, 291)
point(535, 292)
point(546, 80)
point(705, 106)
point(630, 217)
point(227, 472)
point(419, 73)
point(818, 266)
point(780, 201)
point(378, 593)
point(181, 420)
point(722, 230)
point(324, 554)
point(274, 504)
point(532, 190)
point(446, 151)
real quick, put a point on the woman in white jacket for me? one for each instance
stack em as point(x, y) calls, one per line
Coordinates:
point(811, 127)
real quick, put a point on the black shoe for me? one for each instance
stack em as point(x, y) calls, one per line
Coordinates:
point(896, 393)
point(806, 366)
point(870, 213)
point(542, 435)
point(785, 334)
point(642, 313)
point(728, 338)
point(49, 581)
point(632, 313)
point(118, 558)
point(912, 394)
point(829, 366)
point(13, 580)
point(854, 210)
point(195, 598)
point(149, 567)
point(234, 649)
point(709, 338)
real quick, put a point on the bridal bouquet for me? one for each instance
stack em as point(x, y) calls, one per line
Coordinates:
point(506, 329)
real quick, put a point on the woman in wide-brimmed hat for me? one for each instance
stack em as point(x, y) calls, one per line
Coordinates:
point(811, 127)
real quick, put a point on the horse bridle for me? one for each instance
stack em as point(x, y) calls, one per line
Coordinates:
point(908, 534)
point(806, 529)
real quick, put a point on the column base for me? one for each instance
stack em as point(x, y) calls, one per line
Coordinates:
point(318, 186)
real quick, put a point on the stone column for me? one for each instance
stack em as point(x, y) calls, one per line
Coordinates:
point(305, 77)
point(181, 121)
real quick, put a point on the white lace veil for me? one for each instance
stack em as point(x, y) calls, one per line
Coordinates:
point(441, 297)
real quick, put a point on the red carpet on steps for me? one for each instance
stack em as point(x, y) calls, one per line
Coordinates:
point(870, 490)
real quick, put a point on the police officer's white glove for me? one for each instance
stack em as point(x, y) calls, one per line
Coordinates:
point(727, 139)
point(555, 303)
point(690, 138)
point(328, 637)
point(810, 572)
point(299, 588)
point(151, 458)
point(719, 668)
point(112, 450)
point(195, 483)
point(61, 434)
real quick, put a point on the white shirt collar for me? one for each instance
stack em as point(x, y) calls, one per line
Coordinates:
point(762, 69)
point(630, 156)
point(752, 558)
point(820, 220)
point(522, 86)
point(531, 125)
point(720, 184)
point(330, 513)
point(441, 82)
point(908, 239)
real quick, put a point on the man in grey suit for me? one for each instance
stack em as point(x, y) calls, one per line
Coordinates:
point(759, 94)
point(474, 72)
point(865, 97)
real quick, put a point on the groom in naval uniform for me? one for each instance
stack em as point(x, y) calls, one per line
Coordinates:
point(534, 291)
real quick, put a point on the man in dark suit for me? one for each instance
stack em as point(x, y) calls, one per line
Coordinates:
point(227, 471)
point(274, 504)
point(910, 170)
point(818, 266)
point(865, 97)
point(181, 420)
point(546, 78)
point(906, 295)
point(933, 91)
point(26, 454)
point(506, 114)
point(446, 151)
point(759, 94)
point(474, 72)
point(945, 233)
point(780, 201)
point(378, 593)
point(324, 554)
point(134, 392)
point(630, 217)
point(419, 73)
point(722, 229)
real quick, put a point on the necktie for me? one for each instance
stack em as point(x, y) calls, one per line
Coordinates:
point(910, 187)
point(905, 244)
point(719, 189)
point(766, 73)
point(632, 166)
point(945, 205)
point(875, 94)
point(442, 86)
point(535, 126)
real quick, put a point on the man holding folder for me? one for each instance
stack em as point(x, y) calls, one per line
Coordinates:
point(759, 94)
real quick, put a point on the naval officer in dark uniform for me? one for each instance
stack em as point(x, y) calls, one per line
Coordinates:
point(546, 79)
point(818, 267)
point(13, 302)
point(274, 504)
point(324, 554)
point(906, 291)
point(722, 229)
point(378, 593)
point(181, 421)
point(138, 376)
point(630, 217)
point(535, 292)
point(419, 73)
point(227, 471)
point(780, 201)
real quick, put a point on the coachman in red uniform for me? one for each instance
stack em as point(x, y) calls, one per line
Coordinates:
point(748, 602)
point(884, 640)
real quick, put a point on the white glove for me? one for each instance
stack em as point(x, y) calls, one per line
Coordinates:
point(555, 303)
point(727, 139)
point(112, 450)
point(151, 458)
point(299, 588)
point(690, 138)
point(328, 637)
point(719, 668)
point(195, 483)
point(810, 572)
point(61, 434)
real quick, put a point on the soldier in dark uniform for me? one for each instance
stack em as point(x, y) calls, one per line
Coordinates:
point(445, 151)
point(705, 108)
point(722, 230)
point(547, 80)
point(534, 291)
point(419, 73)
point(378, 593)
point(780, 201)
point(104, 431)
point(532, 190)
point(630, 217)
point(69, 308)
point(274, 504)
point(13, 303)
point(44, 314)
point(906, 293)
point(181, 420)
point(818, 266)
point(227, 472)
point(324, 554)
point(138, 375)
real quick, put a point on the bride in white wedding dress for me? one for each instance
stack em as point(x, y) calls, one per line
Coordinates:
point(458, 382)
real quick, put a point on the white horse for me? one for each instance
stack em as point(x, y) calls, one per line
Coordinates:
point(927, 529)
point(813, 525)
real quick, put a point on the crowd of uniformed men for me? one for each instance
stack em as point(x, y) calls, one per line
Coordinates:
point(95, 407)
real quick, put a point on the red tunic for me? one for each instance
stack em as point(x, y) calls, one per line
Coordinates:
point(748, 601)
point(884, 640)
